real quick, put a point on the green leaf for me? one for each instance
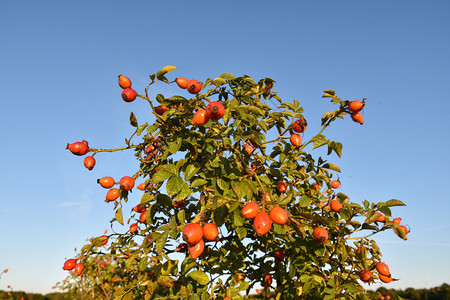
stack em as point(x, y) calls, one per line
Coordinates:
point(119, 216)
point(394, 202)
point(199, 276)
point(331, 166)
point(399, 231)
point(164, 200)
point(165, 281)
point(285, 200)
point(171, 169)
point(329, 94)
point(177, 99)
point(287, 105)
point(161, 241)
point(241, 232)
point(219, 81)
point(161, 176)
point(244, 285)
point(326, 117)
point(165, 70)
point(304, 201)
point(160, 98)
point(227, 76)
point(198, 182)
point(175, 145)
point(133, 120)
point(184, 192)
point(87, 248)
point(222, 184)
point(191, 170)
point(174, 185)
point(238, 220)
point(173, 228)
point(319, 140)
point(336, 147)
point(127, 296)
point(181, 216)
point(141, 128)
point(253, 109)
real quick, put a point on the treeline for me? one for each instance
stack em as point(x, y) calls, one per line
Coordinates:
point(31, 296)
point(437, 293)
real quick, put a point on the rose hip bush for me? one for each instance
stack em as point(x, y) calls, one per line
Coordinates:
point(232, 200)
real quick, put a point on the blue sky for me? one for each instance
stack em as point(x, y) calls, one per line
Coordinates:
point(59, 64)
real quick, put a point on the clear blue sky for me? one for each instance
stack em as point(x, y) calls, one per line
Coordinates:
point(58, 76)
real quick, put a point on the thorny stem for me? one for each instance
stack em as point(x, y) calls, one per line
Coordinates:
point(114, 150)
point(361, 237)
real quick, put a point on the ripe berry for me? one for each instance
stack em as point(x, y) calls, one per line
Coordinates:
point(129, 95)
point(262, 223)
point(197, 249)
point(278, 215)
point(141, 186)
point(248, 148)
point(268, 280)
point(381, 217)
point(79, 268)
point(268, 87)
point(336, 206)
point(355, 106)
point(179, 204)
point(78, 148)
point(138, 208)
point(383, 269)
point(124, 82)
point(133, 227)
point(105, 241)
point(320, 234)
point(194, 86)
point(160, 109)
point(69, 264)
point(357, 117)
point(279, 255)
point(112, 195)
point(335, 184)
point(215, 110)
point(397, 221)
point(227, 298)
point(299, 125)
point(385, 279)
point(365, 275)
point(200, 118)
point(106, 182)
point(296, 140)
point(89, 162)
point(182, 247)
point(210, 231)
point(143, 216)
point(182, 82)
point(240, 277)
point(126, 183)
point(192, 233)
point(281, 186)
point(405, 229)
point(250, 210)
